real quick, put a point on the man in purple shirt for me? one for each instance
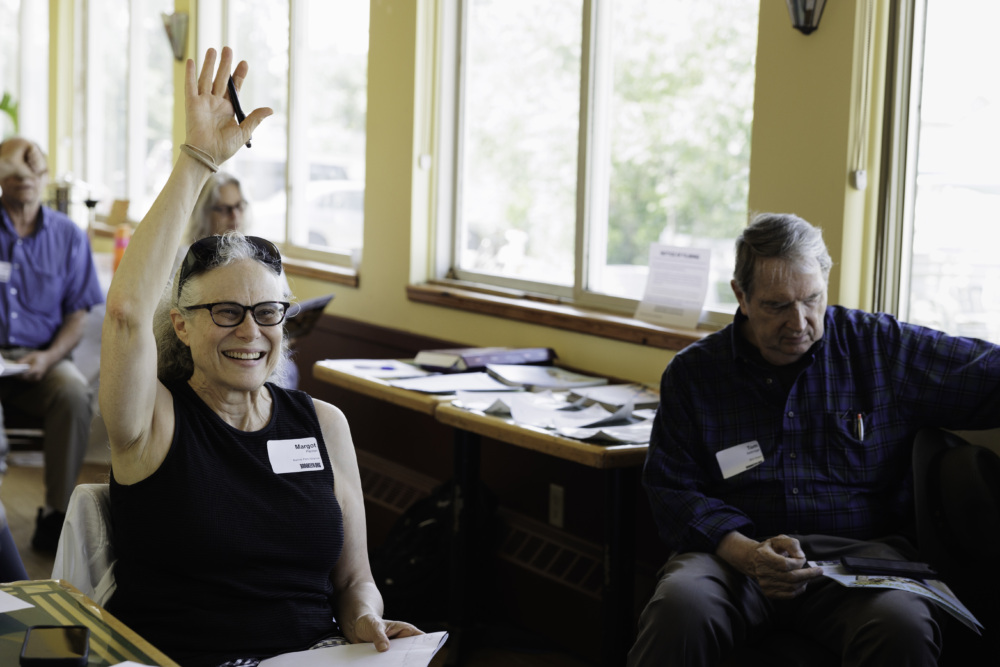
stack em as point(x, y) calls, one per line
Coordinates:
point(48, 284)
point(787, 437)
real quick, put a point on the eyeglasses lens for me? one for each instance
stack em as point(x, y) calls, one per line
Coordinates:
point(232, 314)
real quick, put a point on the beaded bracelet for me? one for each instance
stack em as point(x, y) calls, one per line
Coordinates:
point(200, 156)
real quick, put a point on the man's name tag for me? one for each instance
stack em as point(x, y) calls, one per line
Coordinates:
point(294, 455)
point(739, 459)
point(5, 269)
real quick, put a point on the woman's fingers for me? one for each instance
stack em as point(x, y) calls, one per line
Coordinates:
point(253, 120)
point(240, 74)
point(219, 87)
point(207, 68)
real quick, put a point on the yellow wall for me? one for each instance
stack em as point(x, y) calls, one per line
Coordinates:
point(800, 160)
point(806, 94)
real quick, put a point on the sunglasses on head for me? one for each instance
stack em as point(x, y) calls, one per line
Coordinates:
point(203, 253)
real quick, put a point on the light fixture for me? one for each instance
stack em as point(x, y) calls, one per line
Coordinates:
point(176, 25)
point(805, 14)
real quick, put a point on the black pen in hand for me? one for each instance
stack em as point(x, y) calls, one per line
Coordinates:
point(240, 116)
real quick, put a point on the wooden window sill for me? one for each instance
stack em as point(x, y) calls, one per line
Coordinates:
point(341, 275)
point(552, 314)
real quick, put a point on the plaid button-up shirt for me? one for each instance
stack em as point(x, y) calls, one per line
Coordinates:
point(821, 472)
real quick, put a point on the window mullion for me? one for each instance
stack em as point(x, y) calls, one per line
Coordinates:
point(460, 70)
point(295, 176)
point(135, 172)
point(593, 189)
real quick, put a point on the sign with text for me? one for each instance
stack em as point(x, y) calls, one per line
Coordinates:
point(675, 287)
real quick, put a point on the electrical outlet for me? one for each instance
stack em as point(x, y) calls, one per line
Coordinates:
point(556, 505)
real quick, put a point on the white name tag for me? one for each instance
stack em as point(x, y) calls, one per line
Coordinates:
point(5, 269)
point(739, 459)
point(294, 455)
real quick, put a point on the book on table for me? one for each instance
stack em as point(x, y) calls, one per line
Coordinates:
point(477, 358)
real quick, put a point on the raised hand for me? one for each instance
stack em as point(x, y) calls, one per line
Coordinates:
point(211, 124)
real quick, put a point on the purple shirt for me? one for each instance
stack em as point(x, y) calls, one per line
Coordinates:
point(819, 474)
point(43, 278)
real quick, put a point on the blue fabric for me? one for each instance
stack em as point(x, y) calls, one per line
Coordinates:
point(11, 567)
point(818, 476)
point(52, 274)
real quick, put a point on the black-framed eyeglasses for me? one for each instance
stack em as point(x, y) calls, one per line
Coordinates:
point(204, 252)
point(265, 313)
point(228, 209)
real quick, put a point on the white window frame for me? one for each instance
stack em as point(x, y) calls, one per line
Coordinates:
point(213, 27)
point(92, 120)
point(593, 172)
point(895, 220)
point(30, 90)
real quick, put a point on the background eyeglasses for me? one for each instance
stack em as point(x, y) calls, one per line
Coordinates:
point(265, 313)
point(228, 210)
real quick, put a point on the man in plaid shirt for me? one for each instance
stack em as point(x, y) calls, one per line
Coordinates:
point(787, 436)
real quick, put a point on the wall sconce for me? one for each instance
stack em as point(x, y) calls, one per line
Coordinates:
point(176, 25)
point(805, 14)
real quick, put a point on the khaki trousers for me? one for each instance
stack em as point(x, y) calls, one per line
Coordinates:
point(62, 400)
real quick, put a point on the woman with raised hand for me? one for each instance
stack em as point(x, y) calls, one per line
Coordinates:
point(238, 517)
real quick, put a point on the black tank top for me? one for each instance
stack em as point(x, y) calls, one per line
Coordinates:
point(219, 556)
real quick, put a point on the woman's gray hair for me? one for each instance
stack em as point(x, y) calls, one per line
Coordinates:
point(779, 235)
point(173, 357)
point(200, 224)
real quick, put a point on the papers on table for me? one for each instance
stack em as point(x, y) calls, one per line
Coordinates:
point(542, 377)
point(637, 433)
point(9, 603)
point(616, 395)
point(583, 407)
point(449, 383)
point(573, 419)
point(382, 369)
point(934, 590)
point(403, 652)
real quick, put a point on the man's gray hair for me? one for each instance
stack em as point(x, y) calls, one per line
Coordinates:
point(779, 235)
point(173, 357)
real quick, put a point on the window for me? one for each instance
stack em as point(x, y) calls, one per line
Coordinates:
point(127, 67)
point(587, 130)
point(24, 69)
point(305, 172)
point(949, 275)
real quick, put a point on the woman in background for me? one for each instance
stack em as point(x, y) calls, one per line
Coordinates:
point(220, 208)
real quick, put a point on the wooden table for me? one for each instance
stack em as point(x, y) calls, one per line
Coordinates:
point(380, 389)
point(57, 602)
point(620, 463)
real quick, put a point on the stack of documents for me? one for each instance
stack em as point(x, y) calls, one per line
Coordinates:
point(449, 383)
point(570, 419)
point(477, 358)
point(613, 396)
point(381, 369)
point(542, 377)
